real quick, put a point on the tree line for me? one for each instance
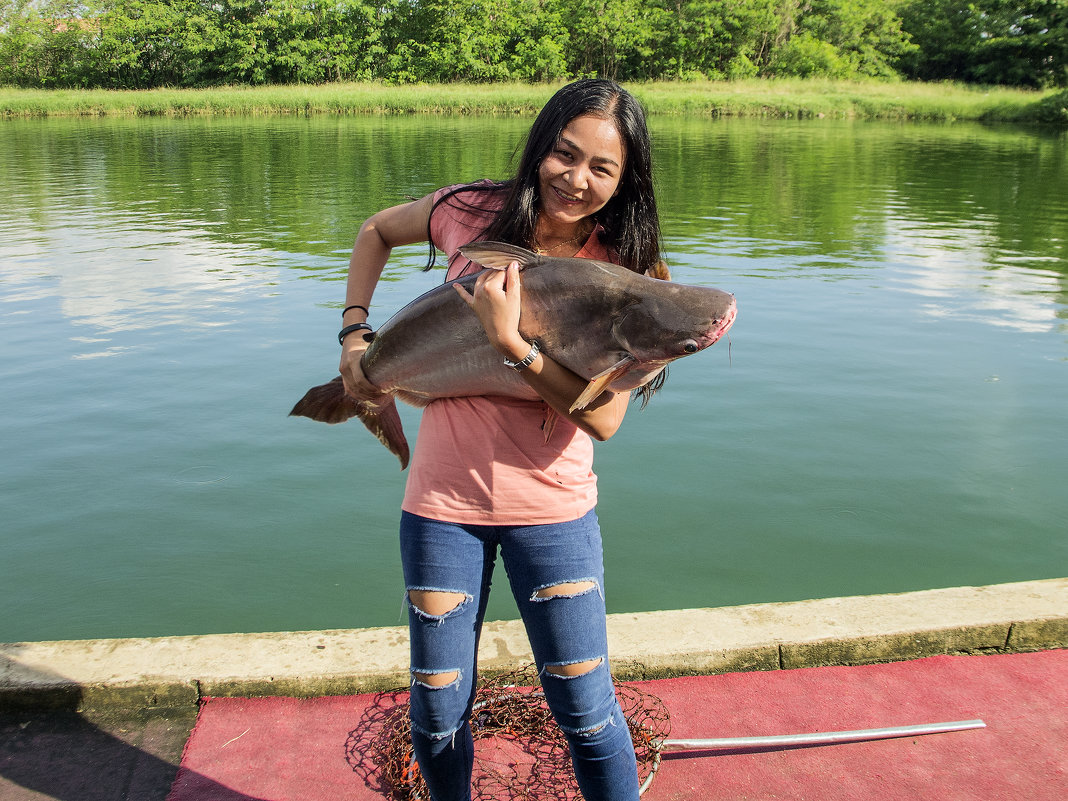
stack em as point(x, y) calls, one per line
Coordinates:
point(133, 44)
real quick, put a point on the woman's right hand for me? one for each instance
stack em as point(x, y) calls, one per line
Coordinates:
point(356, 383)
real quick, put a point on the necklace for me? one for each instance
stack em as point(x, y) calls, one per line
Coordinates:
point(544, 251)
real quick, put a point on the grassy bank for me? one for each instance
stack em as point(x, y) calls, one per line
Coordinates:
point(779, 99)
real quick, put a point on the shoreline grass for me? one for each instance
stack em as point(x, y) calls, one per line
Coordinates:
point(787, 98)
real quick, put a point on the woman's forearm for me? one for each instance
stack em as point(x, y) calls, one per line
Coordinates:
point(380, 233)
point(496, 300)
point(559, 387)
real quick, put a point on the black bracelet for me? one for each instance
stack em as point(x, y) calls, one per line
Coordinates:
point(348, 329)
point(364, 309)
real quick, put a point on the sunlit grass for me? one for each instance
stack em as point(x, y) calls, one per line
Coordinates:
point(841, 99)
point(347, 98)
point(788, 98)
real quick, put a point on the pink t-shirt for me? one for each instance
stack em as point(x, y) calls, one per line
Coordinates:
point(484, 459)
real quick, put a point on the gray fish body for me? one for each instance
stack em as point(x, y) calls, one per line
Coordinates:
point(435, 348)
point(607, 324)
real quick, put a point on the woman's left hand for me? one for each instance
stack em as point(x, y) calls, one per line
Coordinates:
point(496, 302)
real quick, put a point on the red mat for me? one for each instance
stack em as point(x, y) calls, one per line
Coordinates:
point(284, 749)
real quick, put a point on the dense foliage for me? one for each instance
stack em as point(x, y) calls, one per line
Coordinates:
point(1019, 43)
point(149, 43)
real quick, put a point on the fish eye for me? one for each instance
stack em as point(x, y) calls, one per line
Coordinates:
point(690, 346)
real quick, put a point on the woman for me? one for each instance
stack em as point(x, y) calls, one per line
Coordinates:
point(483, 474)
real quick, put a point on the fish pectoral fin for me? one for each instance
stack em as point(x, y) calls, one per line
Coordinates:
point(600, 382)
point(498, 255)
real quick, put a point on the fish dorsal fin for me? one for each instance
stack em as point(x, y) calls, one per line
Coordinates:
point(498, 255)
point(600, 382)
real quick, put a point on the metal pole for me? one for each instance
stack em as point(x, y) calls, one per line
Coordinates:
point(818, 738)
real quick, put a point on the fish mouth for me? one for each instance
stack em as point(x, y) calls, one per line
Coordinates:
point(721, 326)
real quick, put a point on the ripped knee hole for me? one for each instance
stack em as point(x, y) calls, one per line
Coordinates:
point(436, 602)
point(575, 668)
point(567, 588)
point(436, 679)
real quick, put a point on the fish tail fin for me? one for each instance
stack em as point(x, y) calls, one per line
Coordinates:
point(498, 255)
point(385, 423)
point(328, 403)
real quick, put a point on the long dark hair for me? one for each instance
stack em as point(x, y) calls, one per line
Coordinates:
point(630, 220)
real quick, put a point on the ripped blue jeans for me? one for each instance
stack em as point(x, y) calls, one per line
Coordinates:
point(565, 625)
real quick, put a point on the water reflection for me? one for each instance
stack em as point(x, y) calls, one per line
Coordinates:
point(830, 187)
point(169, 288)
point(969, 215)
point(965, 280)
point(812, 196)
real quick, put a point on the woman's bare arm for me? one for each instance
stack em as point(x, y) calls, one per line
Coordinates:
point(380, 233)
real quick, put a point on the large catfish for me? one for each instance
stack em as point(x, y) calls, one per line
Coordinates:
point(613, 327)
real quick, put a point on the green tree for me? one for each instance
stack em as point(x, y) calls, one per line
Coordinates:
point(245, 55)
point(351, 38)
point(540, 52)
point(50, 44)
point(804, 55)
point(20, 38)
point(143, 43)
point(452, 40)
point(613, 38)
point(841, 38)
point(945, 35)
point(1022, 43)
point(146, 43)
point(717, 38)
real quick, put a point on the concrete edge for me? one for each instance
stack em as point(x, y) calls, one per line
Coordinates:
point(173, 672)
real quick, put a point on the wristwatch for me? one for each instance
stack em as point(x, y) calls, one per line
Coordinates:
point(527, 360)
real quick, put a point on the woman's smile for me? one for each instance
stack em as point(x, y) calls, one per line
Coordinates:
point(564, 196)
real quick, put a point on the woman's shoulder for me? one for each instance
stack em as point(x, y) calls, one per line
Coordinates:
point(480, 197)
point(461, 213)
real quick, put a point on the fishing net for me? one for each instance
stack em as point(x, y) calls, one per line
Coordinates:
point(520, 752)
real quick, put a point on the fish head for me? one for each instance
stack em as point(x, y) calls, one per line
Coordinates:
point(660, 327)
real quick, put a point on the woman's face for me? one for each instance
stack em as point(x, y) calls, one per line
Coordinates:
point(582, 171)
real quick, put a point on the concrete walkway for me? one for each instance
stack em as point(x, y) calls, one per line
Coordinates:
point(130, 703)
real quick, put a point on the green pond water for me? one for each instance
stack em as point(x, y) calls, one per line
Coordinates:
point(889, 415)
